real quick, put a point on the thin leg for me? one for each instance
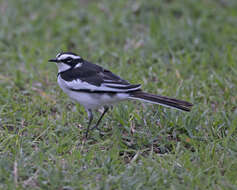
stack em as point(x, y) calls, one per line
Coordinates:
point(90, 116)
point(102, 115)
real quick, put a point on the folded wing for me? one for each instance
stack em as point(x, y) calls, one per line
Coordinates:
point(93, 78)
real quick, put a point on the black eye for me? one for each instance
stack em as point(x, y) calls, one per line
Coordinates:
point(69, 59)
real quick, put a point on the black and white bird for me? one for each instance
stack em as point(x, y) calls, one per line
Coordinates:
point(93, 87)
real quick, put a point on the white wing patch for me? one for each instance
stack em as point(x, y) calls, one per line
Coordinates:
point(116, 85)
point(81, 85)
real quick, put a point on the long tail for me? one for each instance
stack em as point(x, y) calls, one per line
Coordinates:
point(162, 100)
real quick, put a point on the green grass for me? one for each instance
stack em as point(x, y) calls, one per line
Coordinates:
point(185, 49)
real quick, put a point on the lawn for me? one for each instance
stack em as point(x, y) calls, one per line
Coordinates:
point(185, 49)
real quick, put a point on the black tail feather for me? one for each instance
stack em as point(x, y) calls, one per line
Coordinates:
point(162, 100)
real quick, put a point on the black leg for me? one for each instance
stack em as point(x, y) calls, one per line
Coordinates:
point(90, 117)
point(98, 122)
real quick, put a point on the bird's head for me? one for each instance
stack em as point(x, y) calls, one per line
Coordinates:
point(67, 60)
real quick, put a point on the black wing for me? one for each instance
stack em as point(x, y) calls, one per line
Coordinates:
point(94, 78)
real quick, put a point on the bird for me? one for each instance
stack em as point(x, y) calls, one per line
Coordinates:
point(94, 87)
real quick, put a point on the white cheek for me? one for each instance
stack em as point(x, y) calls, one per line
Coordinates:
point(62, 67)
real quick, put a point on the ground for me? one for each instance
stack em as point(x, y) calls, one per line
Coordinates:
point(184, 49)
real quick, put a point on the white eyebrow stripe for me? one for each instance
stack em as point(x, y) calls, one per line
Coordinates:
point(64, 56)
point(58, 55)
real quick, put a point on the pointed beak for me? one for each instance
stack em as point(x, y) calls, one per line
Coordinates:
point(53, 60)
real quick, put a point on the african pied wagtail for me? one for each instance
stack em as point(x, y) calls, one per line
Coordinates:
point(93, 86)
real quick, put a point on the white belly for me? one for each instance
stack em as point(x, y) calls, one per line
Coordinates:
point(92, 100)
